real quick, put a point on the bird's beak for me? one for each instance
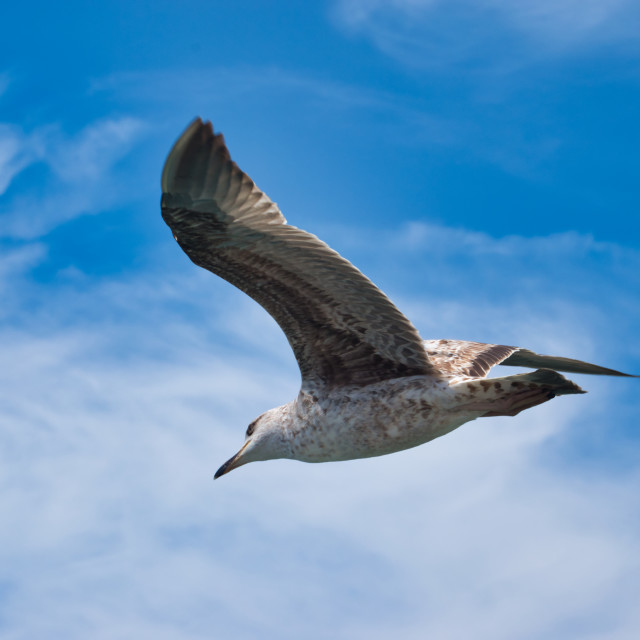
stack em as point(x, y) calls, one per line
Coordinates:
point(232, 463)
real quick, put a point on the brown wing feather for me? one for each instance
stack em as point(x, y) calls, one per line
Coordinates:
point(342, 328)
point(459, 358)
point(526, 358)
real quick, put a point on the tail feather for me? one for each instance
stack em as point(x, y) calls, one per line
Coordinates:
point(547, 379)
point(510, 395)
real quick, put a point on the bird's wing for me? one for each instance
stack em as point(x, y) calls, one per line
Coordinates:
point(526, 358)
point(342, 328)
point(459, 358)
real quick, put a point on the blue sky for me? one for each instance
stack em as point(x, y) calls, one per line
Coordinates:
point(478, 160)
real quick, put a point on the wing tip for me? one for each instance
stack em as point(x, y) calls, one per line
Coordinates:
point(170, 164)
point(201, 133)
point(530, 359)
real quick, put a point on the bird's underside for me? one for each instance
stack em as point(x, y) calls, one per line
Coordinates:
point(345, 333)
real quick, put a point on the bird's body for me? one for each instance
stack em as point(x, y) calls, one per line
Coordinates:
point(370, 385)
point(375, 420)
point(389, 416)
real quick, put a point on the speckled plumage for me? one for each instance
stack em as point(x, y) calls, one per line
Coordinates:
point(370, 385)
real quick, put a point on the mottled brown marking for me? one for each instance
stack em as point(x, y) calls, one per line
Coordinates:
point(459, 357)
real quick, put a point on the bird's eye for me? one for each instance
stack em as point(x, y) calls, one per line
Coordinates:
point(251, 427)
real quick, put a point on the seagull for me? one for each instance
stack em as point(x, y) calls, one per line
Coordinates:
point(370, 385)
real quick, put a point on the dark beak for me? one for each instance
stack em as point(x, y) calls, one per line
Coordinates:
point(225, 468)
point(231, 464)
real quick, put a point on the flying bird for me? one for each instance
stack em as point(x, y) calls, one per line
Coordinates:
point(370, 384)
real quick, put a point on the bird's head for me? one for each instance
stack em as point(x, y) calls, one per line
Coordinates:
point(265, 440)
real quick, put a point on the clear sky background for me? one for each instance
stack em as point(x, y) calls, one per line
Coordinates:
point(478, 160)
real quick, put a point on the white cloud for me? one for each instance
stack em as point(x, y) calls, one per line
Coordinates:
point(93, 151)
point(17, 151)
point(107, 477)
point(441, 239)
point(567, 23)
point(81, 179)
point(212, 87)
point(16, 262)
point(435, 34)
point(118, 400)
point(403, 120)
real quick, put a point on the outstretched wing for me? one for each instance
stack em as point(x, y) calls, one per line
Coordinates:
point(343, 330)
point(526, 358)
point(459, 358)
point(474, 359)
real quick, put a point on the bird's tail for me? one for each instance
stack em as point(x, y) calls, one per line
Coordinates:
point(510, 395)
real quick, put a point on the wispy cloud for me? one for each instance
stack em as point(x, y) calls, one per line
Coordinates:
point(566, 24)
point(18, 261)
point(87, 156)
point(212, 88)
point(119, 398)
point(436, 35)
point(79, 177)
point(107, 477)
point(17, 151)
point(566, 245)
point(406, 119)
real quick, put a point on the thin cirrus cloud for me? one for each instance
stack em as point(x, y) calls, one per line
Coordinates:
point(106, 464)
point(79, 173)
point(433, 34)
point(408, 120)
point(103, 425)
point(121, 397)
point(17, 151)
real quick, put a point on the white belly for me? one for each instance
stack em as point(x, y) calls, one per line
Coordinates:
point(374, 420)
